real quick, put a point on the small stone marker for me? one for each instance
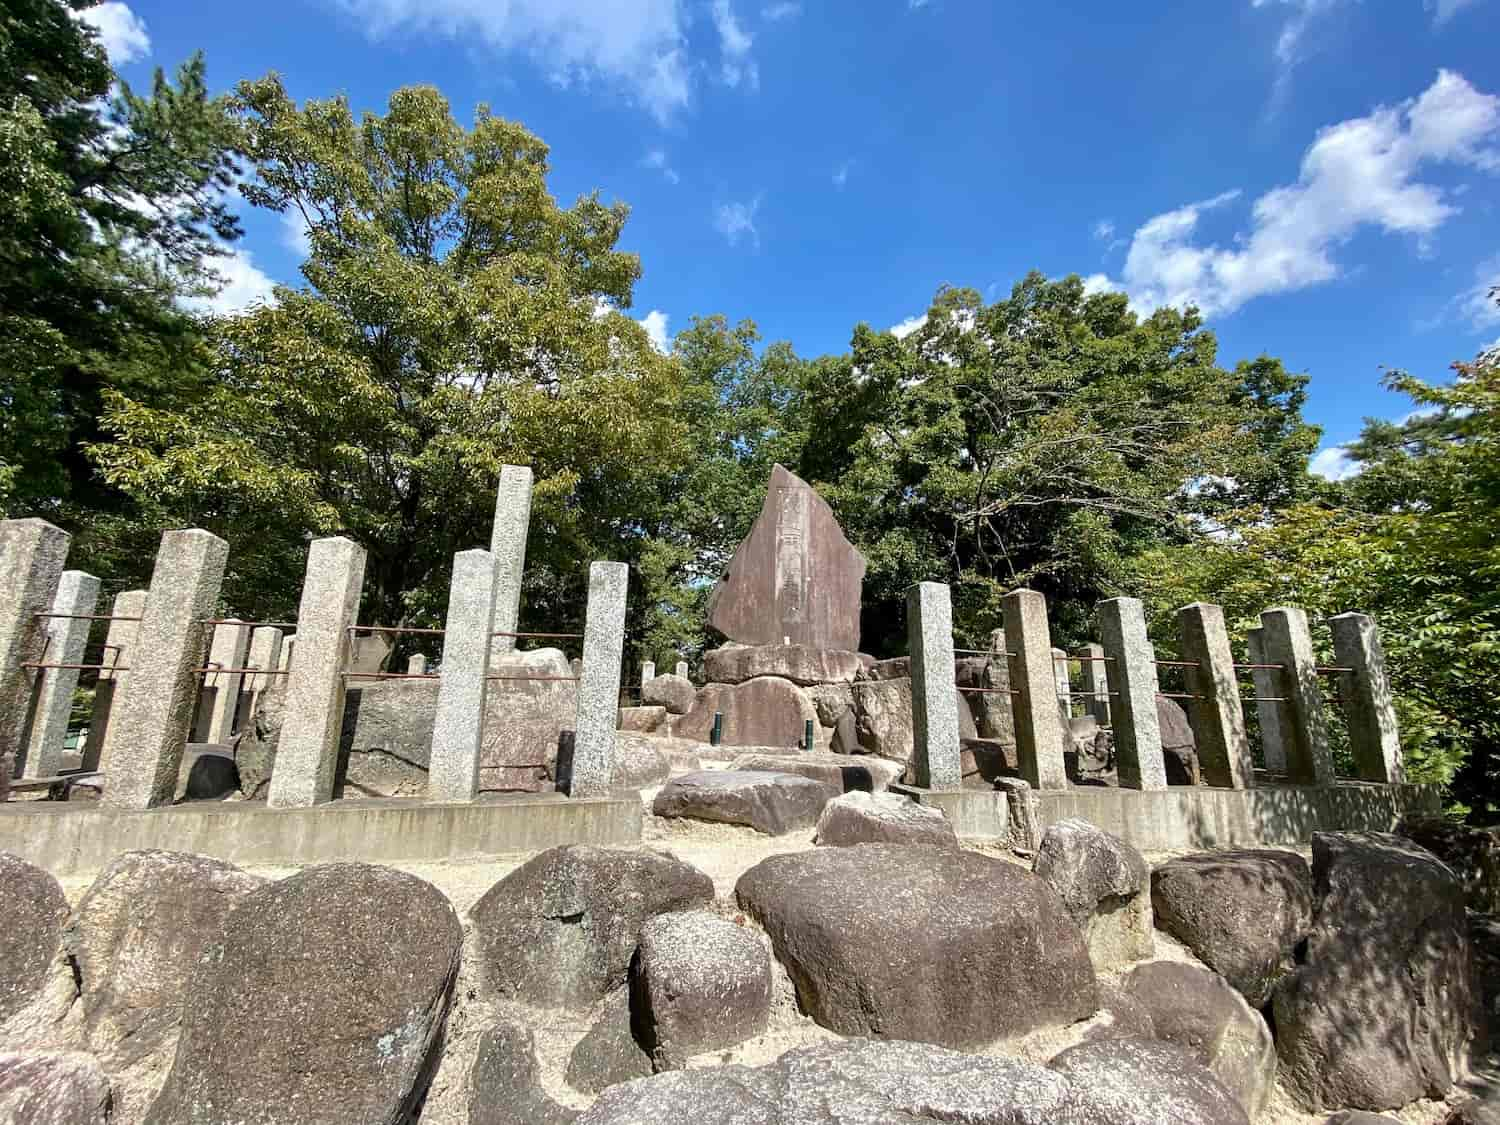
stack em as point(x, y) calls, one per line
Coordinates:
point(314, 714)
point(682, 669)
point(508, 546)
point(1271, 713)
point(31, 562)
point(1218, 717)
point(230, 649)
point(154, 711)
point(1366, 696)
point(935, 745)
point(599, 689)
point(416, 664)
point(1064, 682)
point(1122, 626)
point(265, 652)
point(119, 647)
point(458, 727)
point(1288, 642)
point(648, 673)
point(1039, 738)
point(284, 664)
point(77, 595)
point(1095, 677)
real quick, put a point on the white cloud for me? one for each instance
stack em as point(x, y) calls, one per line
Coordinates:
point(655, 324)
point(1480, 306)
point(1104, 230)
point(294, 233)
point(1358, 173)
point(1097, 283)
point(244, 285)
point(737, 220)
point(1334, 463)
point(1444, 10)
point(734, 44)
point(121, 31)
point(913, 5)
point(775, 13)
point(908, 326)
point(841, 174)
point(656, 159)
point(635, 45)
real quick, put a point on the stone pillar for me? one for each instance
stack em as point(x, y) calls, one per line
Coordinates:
point(508, 545)
point(1288, 642)
point(1095, 676)
point(32, 553)
point(314, 715)
point(265, 652)
point(1039, 735)
point(1271, 713)
point(284, 664)
point(1064, 683)
point(230, 649)
point(599, 689)
point(648, 673)
point(77, 594)
point(153, 712)
point(1218, 716)
point(119, 643)
point(458, 728)
point(934, 700)
point(1122, 627)
point(1366, 695)
point(682, 669)
point(416, 664)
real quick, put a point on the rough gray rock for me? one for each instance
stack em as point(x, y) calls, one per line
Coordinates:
point(608, 1052)
point(562, 928)
point(209, 773)
point(984, 763)
point(765, 711)
point(32, 912)
point(1360, 1117)
point(1104, 884)
point(1178, 744)
point(883, 718)
point(905, 943)
point(1484, 943)
point(1241, 912)
point(875, 818)
point(642, 720)
point(504, 1088)
point(1198, 1010)
point(773, 803)
point(136, 938)
point(323, 1001)
point(1380, 1010)
point(704, 983)
point(639, 763)
point(1145, 1082)
point(832, 701)
point(524, 720)
point(675, 693)
point(896, 668)
point(845, 774)
point(1472, 853)
point(734, 664)
point(993, 717)
point(679, 752)
point(52, 1088)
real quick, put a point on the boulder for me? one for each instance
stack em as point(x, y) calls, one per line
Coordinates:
point(52, 1088)
point(680, 753)
point(1120, 1016)
point(1380, 1011)
point(1145, 1082)
point(504, 1086)
point(1360, 1117)
point(32, 912)
point(845, 738)
point(1198, 1010)
point(773, 803)
point(1089, 753)
point(734, 664)
point(324, 1000)
point(1484, 942)
point(561, 929)
point(608, 1052)
point(135, 941)
point(1472, 853)
point(642, 720)
point(1179, 746)
point(639, 763)
point(795, 579)
point(675, 693)
point(765, 711)
point(832, 702)
point(1105, 886)
point(897, 668)
point(982, 762)
point(876, 818)
point(939, 945)
point(1483, 1110)
point(209, 773)
point(843, 773)
point(524, 720)
point(704, 984)
point(1241, 912)
point(993, 717)
point(883, 718)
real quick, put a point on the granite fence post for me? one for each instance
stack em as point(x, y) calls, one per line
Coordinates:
point(78, 596)
point(1122, 627)
point(32, 553)
point(934, 697)
point(153, 712)
point(119, 647)
point(416, 664)
point(458, 728)
point(1366, 697)
point(1288, 642)
point(288, 645)
point(1217, 716)
point(599, 688)
point(265, 653)
point(230, 648)
point(508, 545)
point(648, 673)
point(1033, 678)
point(314, 716)
point(1064, 683)
point(1273, 715)
point(682, 669)
point(1095, 681)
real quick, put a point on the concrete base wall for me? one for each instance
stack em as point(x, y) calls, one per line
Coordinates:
point(78, 839)
point(976, 814)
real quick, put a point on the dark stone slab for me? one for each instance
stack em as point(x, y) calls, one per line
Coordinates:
point(773, 803)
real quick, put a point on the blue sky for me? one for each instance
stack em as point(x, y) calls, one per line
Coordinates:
point(1321, 176)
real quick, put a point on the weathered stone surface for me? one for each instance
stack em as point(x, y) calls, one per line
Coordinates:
point(324, 1001)
point(832, 702)
point(32, 912)
point(675, 693)
point(933, 944)
point(1104, 884)
point(1122, 1016)
point(982, 762)
point(1145, 1082)
point(883, 715)
point(642, 720)
point(765, 711)
point(795, 578)
point(1483, 1110)
point(896, 668)
point(845, 773)
point(1484, 942)
point(773, 803)
point(209, 774)
point(704, 983)
point(504, 1086)
point(524, 720)
point(682, 753)
point(1360, 1117)
point(1198, 1010)
point(136, 938)
point(638, 763)
point(734, 664)
point(52, 1088)
point(1473, 854)
point(876, 818)
point(990, 707)
point(608, 1052)
point(562, 928)
point(1380, 1010)
point(1241, 912)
